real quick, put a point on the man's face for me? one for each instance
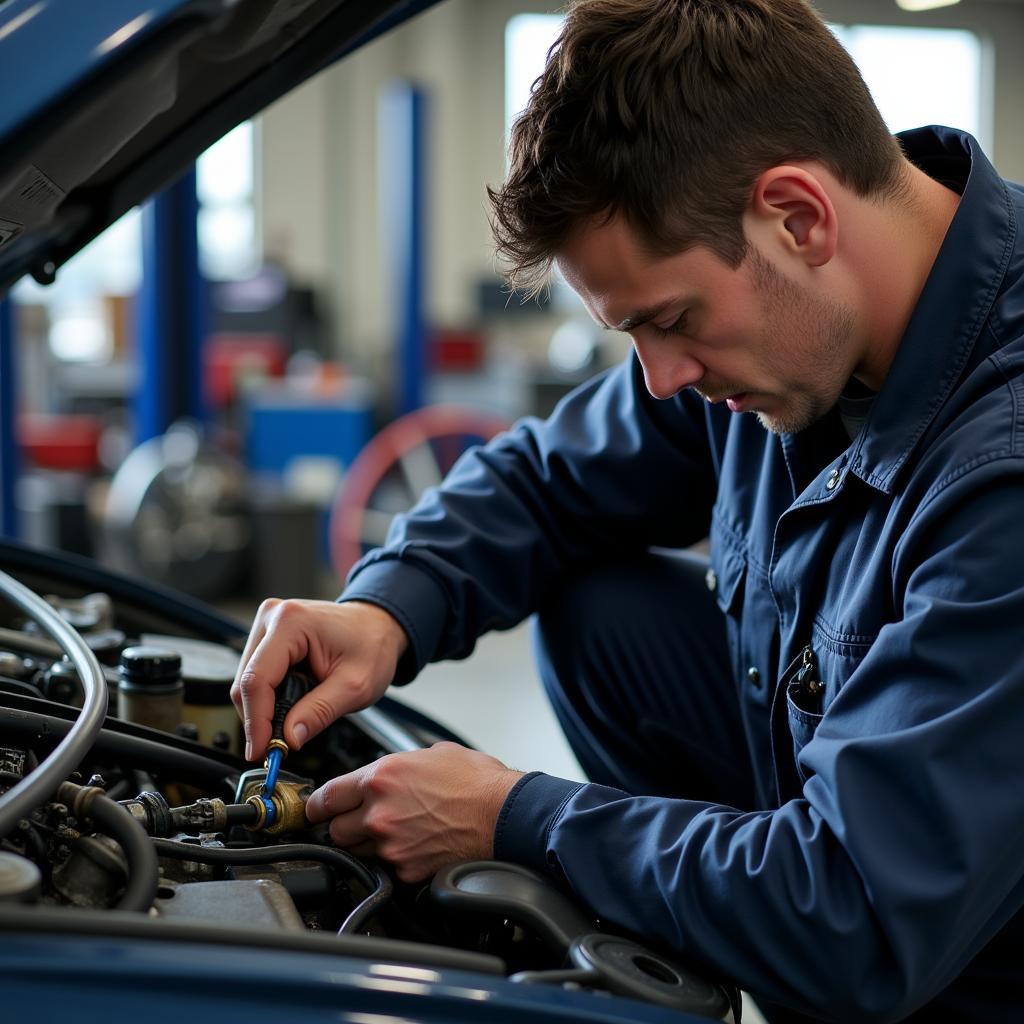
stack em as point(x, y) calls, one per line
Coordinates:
point(750, 337)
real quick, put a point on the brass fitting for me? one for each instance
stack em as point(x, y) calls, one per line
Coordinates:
point(261, 812)
point(278, 745)
point(289, 800)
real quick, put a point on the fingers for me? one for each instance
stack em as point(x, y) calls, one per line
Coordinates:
point(279, 639)
point(417, 809)
point(352, 649)
point(265, 661)
point(341, 801)
point(256, 634)
point(338, 796)
point(349, 832)
point(342, 691)
point(257, 681)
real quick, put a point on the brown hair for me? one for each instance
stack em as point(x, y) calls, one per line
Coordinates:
point(667, 111)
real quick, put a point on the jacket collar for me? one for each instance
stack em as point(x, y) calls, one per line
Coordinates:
point(954, 305)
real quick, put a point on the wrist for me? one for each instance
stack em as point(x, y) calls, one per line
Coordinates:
point(387, 629)
point(499, 789)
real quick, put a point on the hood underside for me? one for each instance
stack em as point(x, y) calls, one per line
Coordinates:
point(112, 102)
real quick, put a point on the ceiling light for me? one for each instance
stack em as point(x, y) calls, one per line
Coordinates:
point(924, 5)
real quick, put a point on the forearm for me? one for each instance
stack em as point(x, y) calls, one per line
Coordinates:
point(610, 472)
point(768, 898)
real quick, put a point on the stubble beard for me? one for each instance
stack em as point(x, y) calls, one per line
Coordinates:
point(824, 327)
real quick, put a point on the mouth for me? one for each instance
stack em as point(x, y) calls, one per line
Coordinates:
point(740, 402)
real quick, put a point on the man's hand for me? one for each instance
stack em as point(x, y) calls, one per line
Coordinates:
point(418, 810)
point(351, 648)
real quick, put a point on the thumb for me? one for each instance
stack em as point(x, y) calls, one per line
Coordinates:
point(320, 708)
point(296, 732)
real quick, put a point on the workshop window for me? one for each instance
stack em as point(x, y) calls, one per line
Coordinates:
point(921, 76)
point(225, 176)
point(79, 304)
point(917, 76)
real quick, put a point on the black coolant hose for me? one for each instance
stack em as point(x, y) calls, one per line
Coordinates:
point(375, 880)
point(113, 820)
point(42, 723)
point(364, 910)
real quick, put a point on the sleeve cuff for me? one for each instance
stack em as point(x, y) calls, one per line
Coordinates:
point(413, 598)
point(529, 813)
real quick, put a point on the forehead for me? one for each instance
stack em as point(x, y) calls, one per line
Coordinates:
point(604, 262)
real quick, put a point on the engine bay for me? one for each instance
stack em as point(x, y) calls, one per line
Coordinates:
point(122, 815)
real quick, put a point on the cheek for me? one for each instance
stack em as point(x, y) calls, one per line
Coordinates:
point(732, 338)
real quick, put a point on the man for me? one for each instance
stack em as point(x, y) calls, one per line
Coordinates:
point(820, 799)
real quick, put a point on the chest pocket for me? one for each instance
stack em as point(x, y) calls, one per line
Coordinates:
point(807, 690)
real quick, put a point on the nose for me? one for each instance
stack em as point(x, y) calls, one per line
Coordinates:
point(666, 369)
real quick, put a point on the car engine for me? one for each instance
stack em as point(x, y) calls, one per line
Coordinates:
point(125, 806)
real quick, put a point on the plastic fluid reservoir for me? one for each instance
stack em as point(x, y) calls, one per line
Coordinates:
point(150, 690)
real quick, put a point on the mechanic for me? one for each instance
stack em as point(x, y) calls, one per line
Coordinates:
point(806, 760)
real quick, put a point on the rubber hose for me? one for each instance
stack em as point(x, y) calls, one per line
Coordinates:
point(366, 908)
point(241, 814)
point(40, 727)
point(377, 881)
point(143, 870)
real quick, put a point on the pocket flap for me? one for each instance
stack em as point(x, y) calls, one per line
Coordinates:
point(725, 577)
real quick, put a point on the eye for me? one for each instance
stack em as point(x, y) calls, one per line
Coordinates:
point(678, 326)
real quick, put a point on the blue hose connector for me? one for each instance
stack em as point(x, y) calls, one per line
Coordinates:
point(274, 759)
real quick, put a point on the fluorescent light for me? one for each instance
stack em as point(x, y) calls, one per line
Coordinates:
point(924, 5)
point(22, 19)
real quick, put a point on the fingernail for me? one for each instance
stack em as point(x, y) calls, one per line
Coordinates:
point(300, 732)
point(248, 751)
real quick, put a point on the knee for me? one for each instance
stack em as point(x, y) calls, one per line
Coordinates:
point(575, 616)
point(580, 600)
point(607, 617)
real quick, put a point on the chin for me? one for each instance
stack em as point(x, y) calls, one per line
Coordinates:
point(789, 421)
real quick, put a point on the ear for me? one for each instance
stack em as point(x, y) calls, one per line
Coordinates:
point(792, 207)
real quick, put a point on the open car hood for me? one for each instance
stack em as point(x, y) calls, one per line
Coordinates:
point(105, 104)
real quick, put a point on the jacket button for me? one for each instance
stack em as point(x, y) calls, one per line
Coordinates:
point(711, 579)
point(754, 676)
point(830, 483)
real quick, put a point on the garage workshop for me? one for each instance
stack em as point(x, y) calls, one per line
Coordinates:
point(502, 511)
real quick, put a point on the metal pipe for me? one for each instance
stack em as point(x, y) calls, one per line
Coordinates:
point(38, 787)
point(18, 640)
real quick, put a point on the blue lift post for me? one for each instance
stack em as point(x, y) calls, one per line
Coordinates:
point(403, 116)
point(8, 441)
point(172, 313)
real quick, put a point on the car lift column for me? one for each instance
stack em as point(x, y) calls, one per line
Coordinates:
point(172, 312)
point(402, 112)
point(8, 440)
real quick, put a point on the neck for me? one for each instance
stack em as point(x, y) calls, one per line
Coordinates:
point(895, 244)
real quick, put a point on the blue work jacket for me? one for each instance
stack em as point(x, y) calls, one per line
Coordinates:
point(883, 871)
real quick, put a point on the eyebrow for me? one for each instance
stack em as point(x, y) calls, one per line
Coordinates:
point(641, 316)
